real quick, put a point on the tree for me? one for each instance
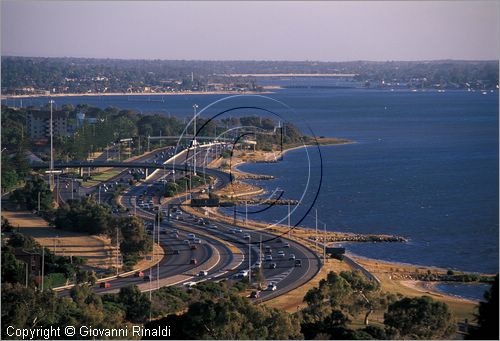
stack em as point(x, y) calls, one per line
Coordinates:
point(136, 303)
point(12, 269)
point(83, 215)
point(232, 317)
point(487, 317)
point(419, 317)
point(28, 195)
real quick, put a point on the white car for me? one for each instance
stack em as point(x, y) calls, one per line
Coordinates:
point(257, 265)
point(271, 286)
point(268, 258)
point(281, 254)
point(241, 274)
point(246, 236)
point(197, 241)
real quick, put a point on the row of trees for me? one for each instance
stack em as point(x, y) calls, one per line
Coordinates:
point(79, 75)
point(85, 215)
point(15, 145)
point(14, 270)
point(96, 75)
point(218, 311)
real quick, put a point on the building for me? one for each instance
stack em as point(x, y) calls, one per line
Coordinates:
point(31, 258)
point(39, 124)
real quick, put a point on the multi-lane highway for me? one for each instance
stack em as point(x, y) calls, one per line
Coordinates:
point(285, 263)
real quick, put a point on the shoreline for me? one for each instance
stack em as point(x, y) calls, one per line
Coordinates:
point(135, 94)
point(420, 286)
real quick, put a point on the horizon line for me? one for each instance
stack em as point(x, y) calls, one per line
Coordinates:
point(260, 60)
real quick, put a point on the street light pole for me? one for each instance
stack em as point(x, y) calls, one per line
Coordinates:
point(249, 261)
point(51, 178)
point(158, 252)
point(195, 106)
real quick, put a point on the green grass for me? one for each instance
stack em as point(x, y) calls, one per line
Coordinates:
point(107, 175)
point(54, 280)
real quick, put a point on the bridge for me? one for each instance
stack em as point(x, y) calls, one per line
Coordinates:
point(224, 177)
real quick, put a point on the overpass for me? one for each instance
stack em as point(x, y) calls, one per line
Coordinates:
point(225, 178)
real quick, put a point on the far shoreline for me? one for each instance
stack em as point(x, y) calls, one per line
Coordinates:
point(135, 94)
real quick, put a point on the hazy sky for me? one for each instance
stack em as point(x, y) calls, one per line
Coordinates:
point(326, 31)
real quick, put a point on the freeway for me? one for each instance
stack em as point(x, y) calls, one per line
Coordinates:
point(175, 267)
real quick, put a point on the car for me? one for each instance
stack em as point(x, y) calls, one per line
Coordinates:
point(175, 235)
point(193, 247)
point(186, 241)
point(193, 261)
point(197, 241)
point(233, 231)
point(139, 274)
point(191, 236)
point(255, 294)
point(203, 273)
point(189, 284)
point(272, 266)
point(239, 230)
point(291, 257)
point(246, 236)
point(105, 285)
point(298, 263)
point(268, 258)
point(241, 274)
point(279, 240)
point(271, 287)
point(257, 265)
point(175, 252)
point(213, 227)
point(281, 254)
point(287, 245)
point(175, 231)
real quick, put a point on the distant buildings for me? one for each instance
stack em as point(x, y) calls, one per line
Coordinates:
point(39, 124)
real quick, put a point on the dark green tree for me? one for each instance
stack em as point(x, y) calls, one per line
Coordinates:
point(487, 317)
point(27, 196)
point(137, 304)
point(419, 317)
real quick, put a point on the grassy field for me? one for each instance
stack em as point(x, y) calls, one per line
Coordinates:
point(105, 176)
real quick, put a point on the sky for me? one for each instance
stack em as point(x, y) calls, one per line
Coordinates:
point(320, 31)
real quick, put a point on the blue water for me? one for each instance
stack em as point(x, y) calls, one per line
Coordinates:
point(424, 165)
point(469, 291)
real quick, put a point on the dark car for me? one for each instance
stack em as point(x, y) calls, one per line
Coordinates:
point(147, 278)
point(298, 263)
point(104, 285)
point(255, 294)
point(175, 252)
point(272, 266)
point(193, 261)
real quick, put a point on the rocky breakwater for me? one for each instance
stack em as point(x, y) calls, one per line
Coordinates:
point(362, 238)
